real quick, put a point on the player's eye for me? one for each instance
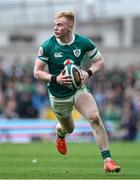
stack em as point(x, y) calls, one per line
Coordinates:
point(59, 24)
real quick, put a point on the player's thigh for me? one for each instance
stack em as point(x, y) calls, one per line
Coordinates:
point(62, 108)
point(86, 105)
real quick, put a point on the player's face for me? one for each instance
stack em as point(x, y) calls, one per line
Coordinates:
point(62, 27)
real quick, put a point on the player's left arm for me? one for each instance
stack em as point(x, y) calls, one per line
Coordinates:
point(97, 65)
point(96, 59)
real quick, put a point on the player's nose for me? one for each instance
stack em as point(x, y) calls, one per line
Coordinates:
point(55, 28)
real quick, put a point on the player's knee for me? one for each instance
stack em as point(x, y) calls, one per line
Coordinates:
point(94, 119)
point(65, 130)
point(70, 130)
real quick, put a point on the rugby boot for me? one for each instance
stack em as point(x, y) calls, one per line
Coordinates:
point(61, 145)
point(111, 166)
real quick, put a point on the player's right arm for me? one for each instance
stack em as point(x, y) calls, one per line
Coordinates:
point(39, 68)
point(39, 72)
point(41, 61)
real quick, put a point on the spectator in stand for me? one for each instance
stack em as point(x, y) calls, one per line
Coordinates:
point(129, 123)
point(25, 106)
point(9, 111)
point(1, 101)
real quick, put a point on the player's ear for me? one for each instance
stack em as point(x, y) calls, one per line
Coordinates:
point(70, 27)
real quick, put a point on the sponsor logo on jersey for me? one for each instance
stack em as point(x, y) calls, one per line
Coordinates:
point(58, 54)
point(77, 52)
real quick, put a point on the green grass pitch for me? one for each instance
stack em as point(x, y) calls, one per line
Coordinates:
point(82, 162)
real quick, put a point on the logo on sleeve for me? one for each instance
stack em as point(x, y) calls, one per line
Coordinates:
point(40, 51)
point(77, 52)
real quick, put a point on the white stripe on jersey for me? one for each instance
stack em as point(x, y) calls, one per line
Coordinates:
point(91, 53)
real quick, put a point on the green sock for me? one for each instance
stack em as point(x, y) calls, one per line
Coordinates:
point(62, 137)
point(106, 154)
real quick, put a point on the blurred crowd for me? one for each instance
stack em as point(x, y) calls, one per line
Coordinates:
point(116, 90)
point(21, 96)
point(117, 93)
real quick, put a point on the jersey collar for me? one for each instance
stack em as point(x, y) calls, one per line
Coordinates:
point(63, 44)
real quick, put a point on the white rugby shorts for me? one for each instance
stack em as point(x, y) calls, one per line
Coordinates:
point(63, 107)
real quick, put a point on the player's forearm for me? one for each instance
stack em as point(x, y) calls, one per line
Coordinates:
point(42, 75)
point(97, 65)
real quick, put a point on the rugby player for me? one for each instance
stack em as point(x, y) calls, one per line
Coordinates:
point(53, 52)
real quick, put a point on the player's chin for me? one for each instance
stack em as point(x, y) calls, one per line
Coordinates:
point(57, 35)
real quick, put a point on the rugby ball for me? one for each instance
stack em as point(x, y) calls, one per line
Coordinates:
point(75, 73)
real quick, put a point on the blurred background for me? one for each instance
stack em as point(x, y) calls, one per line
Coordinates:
point(114, 26)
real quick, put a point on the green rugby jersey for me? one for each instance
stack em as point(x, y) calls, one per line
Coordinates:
point(54, 53)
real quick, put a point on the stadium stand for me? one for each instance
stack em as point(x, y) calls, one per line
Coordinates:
point(116, 90)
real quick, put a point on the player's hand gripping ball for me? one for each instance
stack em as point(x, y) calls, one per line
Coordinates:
point(74, 71)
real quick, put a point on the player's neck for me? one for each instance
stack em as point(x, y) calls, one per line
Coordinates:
point(66, 40)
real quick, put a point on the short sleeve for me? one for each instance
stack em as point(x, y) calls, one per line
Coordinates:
point(92, 52)
point(43, 54)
